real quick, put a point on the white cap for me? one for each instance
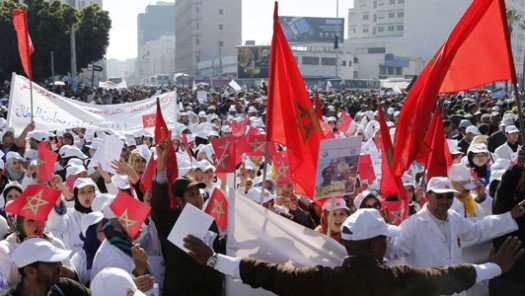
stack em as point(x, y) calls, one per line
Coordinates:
point(478, 148)
point(473, 130)
point(331, 118)
point(460, 173)
point(75, 161)
point(90, 219)
point(408, 180)
point(202, 114)
point(113, 281)
point(102, 203)
point(465, 123)
point(75, 170)
point(358, 200)
point(37, 250)
point(130, 141)
point(13, 155)
point(339, 203)
point(83, 182)
point(120, 181)
point(39, 135)
point(509, 129)
point(440, 185)
point(71, 151)
point(367, 224)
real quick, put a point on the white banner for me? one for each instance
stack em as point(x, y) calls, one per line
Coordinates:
point(52, 112)
point(112, 85)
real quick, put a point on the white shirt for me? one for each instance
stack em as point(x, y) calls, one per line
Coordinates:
point(110, 256)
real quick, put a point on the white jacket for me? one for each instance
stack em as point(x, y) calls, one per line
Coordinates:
point(504, 151)
point(422, 243)
point(110, 256)
point(67, 226)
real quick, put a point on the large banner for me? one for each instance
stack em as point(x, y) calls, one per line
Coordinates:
point(108, 84)
point(254, 61)
point(312, 29)
point(53, 112)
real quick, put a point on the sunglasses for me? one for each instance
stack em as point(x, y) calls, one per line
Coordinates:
point(444, 195)
point(375, 205)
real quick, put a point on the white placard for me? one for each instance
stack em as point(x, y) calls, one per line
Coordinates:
point(236, 87)
point(109, 150)
point(337, 167)
point(202, 96)
point(54, 112)
point(191, 221)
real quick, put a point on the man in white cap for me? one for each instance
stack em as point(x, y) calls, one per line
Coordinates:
point(470, 133)
point(39, 263)
point(509, 149)
point(364, 235)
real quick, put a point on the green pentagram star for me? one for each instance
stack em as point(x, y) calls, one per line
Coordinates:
point(37, 198)
point(151, 121)
point(313, 124)
point(225, 146)
point(221, 161)
point(40, 161)
point(217, 208)
point(282, 170)
point(257, 145)
point(126, 222)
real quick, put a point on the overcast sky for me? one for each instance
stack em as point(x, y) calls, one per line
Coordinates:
point(256, 24)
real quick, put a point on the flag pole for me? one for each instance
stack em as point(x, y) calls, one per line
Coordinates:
point(520, 112)
point(331, 216)
point(264, 170)
point(31, 97)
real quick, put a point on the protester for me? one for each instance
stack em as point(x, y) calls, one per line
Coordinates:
point(341, 212)
point(364, 234)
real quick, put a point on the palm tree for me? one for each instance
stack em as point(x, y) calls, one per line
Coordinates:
point(512, 17)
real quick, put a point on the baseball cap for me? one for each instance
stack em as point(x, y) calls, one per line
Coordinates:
point(83, 182)
point(182, 184)
point(465, 123)
point(114, 281)
point(366, 224)
point(358, 200)
point(478, 148)
point(102, 204)
point(460, 173)
point(339, 203)
point(473, 130)
point(37, 250)
point(440, 185)
point(75, 170)
point(509, 129)
point(90, 219)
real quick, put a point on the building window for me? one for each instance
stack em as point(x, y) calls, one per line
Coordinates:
point(311, 61)
point(196, 9)
point(221, 27)
point(400, 27)
point(382, 70)
point(380, 29)
point(343, 63)
point(399, 71)
point(392, 1)
point(400, 14)
point(221, 11)
point(391, 15)
point(221, 43)
point(197, 26)
point(365, 30)
point(365, 17)
point(401, 1)
point(328, 61)
point(349, 63)
point(391, 70)
point(351, 30)
point(391, 28)
point(197, 41)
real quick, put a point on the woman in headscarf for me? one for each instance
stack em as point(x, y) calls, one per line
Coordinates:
point(341, 212)
point(25, 228)
point(479, 162)
point(14, 169)
point(11, 191)
point(66, 221)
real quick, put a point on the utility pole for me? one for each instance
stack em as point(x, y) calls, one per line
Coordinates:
point(73, 52)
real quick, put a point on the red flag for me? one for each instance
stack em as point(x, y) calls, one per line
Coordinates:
point(344, 122)
point(46, 162)
point(282, 167)
point(239, 128)
point(148, 120)
point(146, 180)
point(438, 159)
point(131, 212)
point(227, 161)
point(464, 61)
point(218, 208)
point(366, 170)
point(291, 119)
point(389, 184)
point(327, 130)
point(25, 46)
point(396, 211)
point(172, 169)
point(35, 202)
point(318, 107)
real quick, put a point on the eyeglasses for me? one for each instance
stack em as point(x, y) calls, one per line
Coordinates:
point(375, 205)
point(444, 195)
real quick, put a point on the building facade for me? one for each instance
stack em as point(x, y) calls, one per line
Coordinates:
point(206, 31)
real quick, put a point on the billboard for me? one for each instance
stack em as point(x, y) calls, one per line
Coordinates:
point(312, 29)
point(253, 61)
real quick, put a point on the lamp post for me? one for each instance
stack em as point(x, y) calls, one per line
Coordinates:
point(73, 52)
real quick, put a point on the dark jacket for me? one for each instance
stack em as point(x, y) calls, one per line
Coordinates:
point(64, 287)
point(183, 275)
point(357, 276)
point(503, 202)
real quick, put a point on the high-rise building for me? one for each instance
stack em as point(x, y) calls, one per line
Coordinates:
point(421, 25)
point(158, 20)
point(206, 30)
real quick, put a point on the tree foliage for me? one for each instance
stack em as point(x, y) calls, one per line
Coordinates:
point(49, 26)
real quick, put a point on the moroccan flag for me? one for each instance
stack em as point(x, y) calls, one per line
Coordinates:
point(344, 122)
point(227, 161)
point(390, 184)
point(318, 107)
point(281, 163)
point(327, 130)
point(291, 119)
point(466, 60)
point(395, 210)
point(46, 162)
point(256, 143)
point(25, 46)
point(172, 169)
point(218, 208)
point(148, 120)
point(34, 203)
point(365, 168)
point(131, 212)
point(239, 128)
point(146, 180)
point(438, 159)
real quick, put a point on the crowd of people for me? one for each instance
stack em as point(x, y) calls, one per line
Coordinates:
point(457, 220)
